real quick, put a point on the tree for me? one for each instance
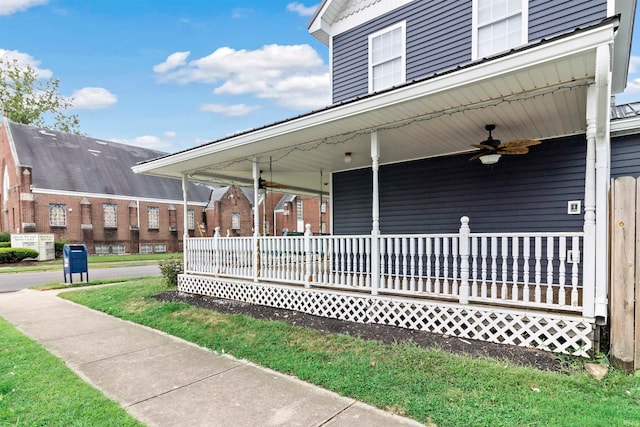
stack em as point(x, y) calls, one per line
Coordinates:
point(27, 99)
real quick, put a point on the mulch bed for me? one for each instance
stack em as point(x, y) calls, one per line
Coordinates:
point(387, 334)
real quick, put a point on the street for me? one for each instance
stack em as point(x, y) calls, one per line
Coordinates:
point(12, 282)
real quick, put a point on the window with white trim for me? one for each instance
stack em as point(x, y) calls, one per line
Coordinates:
point(499, 25)
point(110, 212)
point(153, 218)
point(146, 248)
point(235, 221)
point(387, 57)
point(57, 215)
point(160, 248)
point(102, 249)
point(118, 250)
point(323, 207)
point(299, 210)
point(191, 219)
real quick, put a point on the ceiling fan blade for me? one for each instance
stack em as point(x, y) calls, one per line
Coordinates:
point(513, 150)
point(271, 184)
point(484, 147)
point(477, 156)
point(519, 143)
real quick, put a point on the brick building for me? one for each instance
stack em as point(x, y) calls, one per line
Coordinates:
point(83, 190)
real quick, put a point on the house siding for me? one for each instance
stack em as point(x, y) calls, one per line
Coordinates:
point(520, 193)
point(625, 156)
point(439, 37)
point(548, 17)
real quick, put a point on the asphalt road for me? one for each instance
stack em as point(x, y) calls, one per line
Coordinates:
point(12, 282)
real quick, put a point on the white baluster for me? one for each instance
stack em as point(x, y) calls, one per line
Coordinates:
point(550, 252)
point(562, 271)
point(429, 271)
point(367, 272)
point(383, 264)
point(455, 253)
point(575, 260)
point(343, 262)
point(396, 246)
point(445, 265)
point(474, 266)
point(525, 273)
point(515, 253)
point(361, 255)
point(420, 264)
point(484, 250)
point(505, 266)
point(405, 266)
point(436, 254)
point(494, 267)
point(412, 257)
point(538, 269)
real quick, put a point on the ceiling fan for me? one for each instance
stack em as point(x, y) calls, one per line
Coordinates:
point(264, 184)
point(493, 149)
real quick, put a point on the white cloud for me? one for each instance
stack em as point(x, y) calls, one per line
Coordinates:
point(170, 134)
point(174, 60)
point(147, 141)
point(634, 64)
point(93, 98)
point(295, 76)
point(301, 9)
point(237, 110)
point(8, 7)
point(24, 59)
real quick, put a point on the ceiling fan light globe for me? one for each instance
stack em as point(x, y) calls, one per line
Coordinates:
point(490, 159)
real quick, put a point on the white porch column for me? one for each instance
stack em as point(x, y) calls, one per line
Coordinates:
point(375, 216)
point(185, 232)
point(603, 176)
point(256, 219)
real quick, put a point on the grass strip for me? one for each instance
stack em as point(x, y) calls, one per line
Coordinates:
point(37, 389)
point(95, 261)
point(432, 386)
point(58, 285)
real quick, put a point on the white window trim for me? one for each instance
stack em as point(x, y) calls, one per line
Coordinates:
point(115, 213)
point(63, 208)
point(524, 36)
point(403, 54)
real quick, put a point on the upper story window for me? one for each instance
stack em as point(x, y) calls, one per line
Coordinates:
point(57, 215)
point(235, 221)
point(153, 217)
point(299, 210)
point(498, 25)
point(387, 57)
point(110, 212)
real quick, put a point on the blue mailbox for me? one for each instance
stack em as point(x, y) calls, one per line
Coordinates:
point(75, 260)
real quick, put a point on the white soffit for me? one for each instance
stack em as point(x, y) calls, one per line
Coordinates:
point(534, 93)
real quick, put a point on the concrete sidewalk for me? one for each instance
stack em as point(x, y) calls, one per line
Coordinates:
point(165, 381)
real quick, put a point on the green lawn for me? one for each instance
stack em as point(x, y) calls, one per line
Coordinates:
point(431, 386)
point(37, 389)
point(95, 261)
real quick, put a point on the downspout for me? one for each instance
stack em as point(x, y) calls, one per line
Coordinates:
point(603, 176)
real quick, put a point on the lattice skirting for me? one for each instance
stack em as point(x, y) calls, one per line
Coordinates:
point(551, 332)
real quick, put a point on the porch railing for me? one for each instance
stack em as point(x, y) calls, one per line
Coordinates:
point(533, 270)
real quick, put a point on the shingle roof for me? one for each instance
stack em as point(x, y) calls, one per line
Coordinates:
point(67, 162)
point(625, 111)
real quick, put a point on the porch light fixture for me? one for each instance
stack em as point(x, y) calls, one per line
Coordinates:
point(490, 159)
point(347, 157)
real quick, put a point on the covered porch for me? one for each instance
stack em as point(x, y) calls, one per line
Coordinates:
point(543, 288)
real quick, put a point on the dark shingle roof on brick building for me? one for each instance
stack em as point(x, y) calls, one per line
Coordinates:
point(67, 162)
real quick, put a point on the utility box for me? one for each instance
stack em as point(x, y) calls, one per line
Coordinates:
point(41, 242)
point(75, 260)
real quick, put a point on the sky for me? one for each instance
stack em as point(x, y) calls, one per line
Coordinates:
point(170, 75)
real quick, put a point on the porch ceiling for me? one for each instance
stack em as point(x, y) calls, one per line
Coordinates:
point(534, 93)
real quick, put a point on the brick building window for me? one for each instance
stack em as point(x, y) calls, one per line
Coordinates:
point(110, 213)
point(118, 249)
point(153, 218)
point(57, 215)
point(235, 221)
point(102, 249)
point(323, 207)
point(146, 248)
point(191, 219)
point(160, 248)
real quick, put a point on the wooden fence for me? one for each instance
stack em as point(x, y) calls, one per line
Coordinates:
point(624, 297)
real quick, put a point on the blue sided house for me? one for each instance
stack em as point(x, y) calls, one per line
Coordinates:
point(467, 156)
